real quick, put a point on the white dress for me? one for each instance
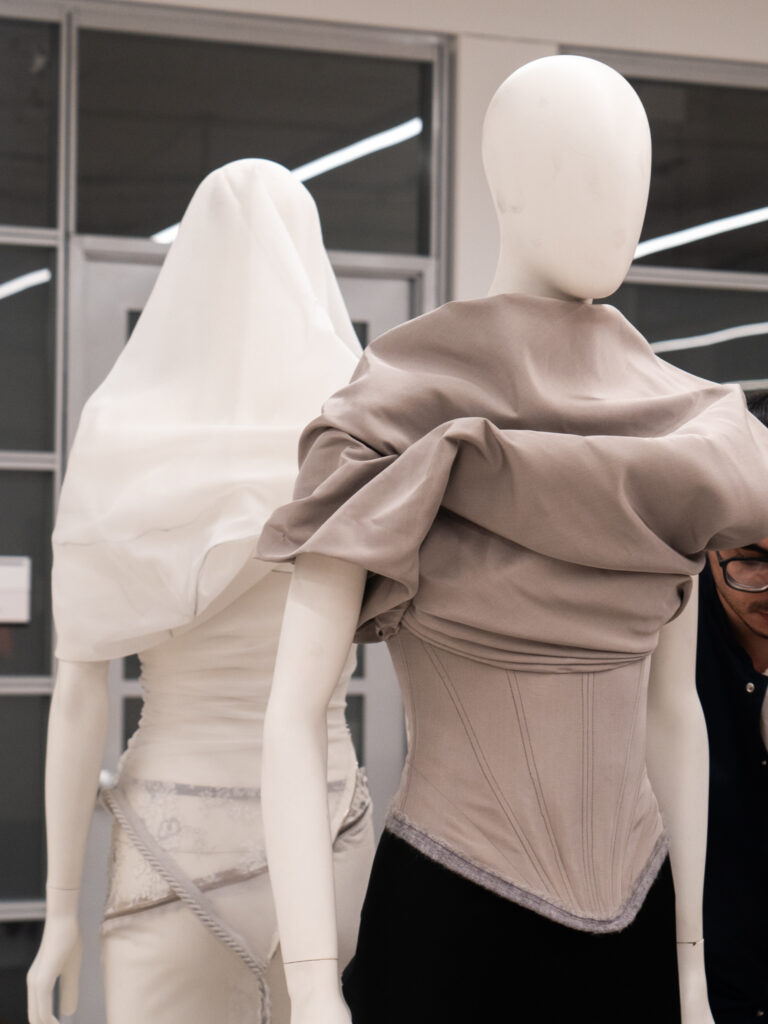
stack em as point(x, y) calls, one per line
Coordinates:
point(190, 775)
point(180, 455)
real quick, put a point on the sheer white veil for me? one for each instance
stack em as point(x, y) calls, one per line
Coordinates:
point(190, 443)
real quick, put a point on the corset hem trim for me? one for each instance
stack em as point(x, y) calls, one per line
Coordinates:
point(437, 850)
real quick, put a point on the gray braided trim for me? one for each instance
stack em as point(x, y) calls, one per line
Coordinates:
point(186, 890)
point(438, 851)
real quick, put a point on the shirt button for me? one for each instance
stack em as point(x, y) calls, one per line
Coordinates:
point(751, 689)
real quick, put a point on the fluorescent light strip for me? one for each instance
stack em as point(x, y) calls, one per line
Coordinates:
point(167, 235)
point(356, 151)
point(695, 234)
point(713, 338)
point(20, 284)
point(374, 143)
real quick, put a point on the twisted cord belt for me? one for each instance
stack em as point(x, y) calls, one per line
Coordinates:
point(186, 890)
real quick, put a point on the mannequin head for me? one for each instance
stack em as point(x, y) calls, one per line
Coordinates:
point(567, 154)
point(293, 205)
point(189, 444)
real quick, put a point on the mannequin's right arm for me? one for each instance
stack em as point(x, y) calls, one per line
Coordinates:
point(318, 626)
point(77, 728)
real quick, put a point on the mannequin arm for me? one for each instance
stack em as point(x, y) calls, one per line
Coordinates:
point(77, 728)
point(678, 767)
point(318, 626)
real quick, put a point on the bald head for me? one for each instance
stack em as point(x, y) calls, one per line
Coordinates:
point(566, 149)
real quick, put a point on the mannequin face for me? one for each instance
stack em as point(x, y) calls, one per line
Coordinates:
point(566, 148)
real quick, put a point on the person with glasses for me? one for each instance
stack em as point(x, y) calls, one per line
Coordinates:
point(732, 662)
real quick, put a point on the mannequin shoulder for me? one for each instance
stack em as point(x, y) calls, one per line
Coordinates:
point(457, 330)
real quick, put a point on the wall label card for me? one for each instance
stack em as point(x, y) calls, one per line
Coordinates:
point(15, 588)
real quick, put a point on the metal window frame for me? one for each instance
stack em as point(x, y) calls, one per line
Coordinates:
point(428, 275)
point(23, 686)
point(696, 71)
point(36, 10)
point(261, 29)
point(291, 34)
point(21, 910)
point(49, 238)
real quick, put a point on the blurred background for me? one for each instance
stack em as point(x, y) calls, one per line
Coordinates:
point(110, 115)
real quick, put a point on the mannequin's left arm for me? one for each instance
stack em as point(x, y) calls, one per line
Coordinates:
point(678, 767)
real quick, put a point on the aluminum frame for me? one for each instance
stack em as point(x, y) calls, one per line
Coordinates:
point(22, 910)
point(702, 72)
point(50, 238)
point(697, 70)
point(294, 34)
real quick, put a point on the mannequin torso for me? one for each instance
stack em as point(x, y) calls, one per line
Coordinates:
point(179, 457)
point(557, 131)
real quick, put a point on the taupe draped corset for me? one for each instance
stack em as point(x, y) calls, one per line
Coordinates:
point(530, 489)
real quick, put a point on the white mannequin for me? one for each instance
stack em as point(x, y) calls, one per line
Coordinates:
point(567, 154)
point(247, 313)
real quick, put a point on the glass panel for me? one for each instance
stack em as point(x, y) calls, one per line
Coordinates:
point(356, 722)
point(132, 319)
point(27, 348)
point(19, 941)
point(362, 331)
point(131, 714)
point(156, 114)
point(29, 88)
point(131, 667)
point(359, 671)
point(23, 721)
point(710, 160)
point(719, 334)
point(25, 529)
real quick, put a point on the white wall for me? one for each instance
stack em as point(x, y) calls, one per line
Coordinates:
point(493, 37)
point(724, 29)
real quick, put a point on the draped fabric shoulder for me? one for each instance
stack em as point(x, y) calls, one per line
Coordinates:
point(190, 443)
point(497, 456)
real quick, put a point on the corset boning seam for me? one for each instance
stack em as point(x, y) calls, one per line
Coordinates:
point(530, 783)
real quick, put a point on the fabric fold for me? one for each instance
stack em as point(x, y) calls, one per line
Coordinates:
point(525, 448)
point(189, 443)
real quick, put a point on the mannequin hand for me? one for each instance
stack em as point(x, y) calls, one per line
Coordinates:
point(59, 956)
point(313, 986)
point(694, 1003)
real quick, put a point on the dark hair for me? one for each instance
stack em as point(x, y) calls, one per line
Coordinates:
point(757, 403)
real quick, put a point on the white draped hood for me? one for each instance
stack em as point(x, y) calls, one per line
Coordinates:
point(190, 443)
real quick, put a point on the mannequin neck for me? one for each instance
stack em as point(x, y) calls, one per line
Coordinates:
point(513, 275)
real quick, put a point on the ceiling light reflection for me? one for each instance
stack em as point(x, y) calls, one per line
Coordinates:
point(699, 231)
point(347, 155)
point(20, 284)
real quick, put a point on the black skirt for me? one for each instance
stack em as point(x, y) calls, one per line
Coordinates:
point(435, 947)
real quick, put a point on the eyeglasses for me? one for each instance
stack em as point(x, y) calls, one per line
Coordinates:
point(750, 574)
